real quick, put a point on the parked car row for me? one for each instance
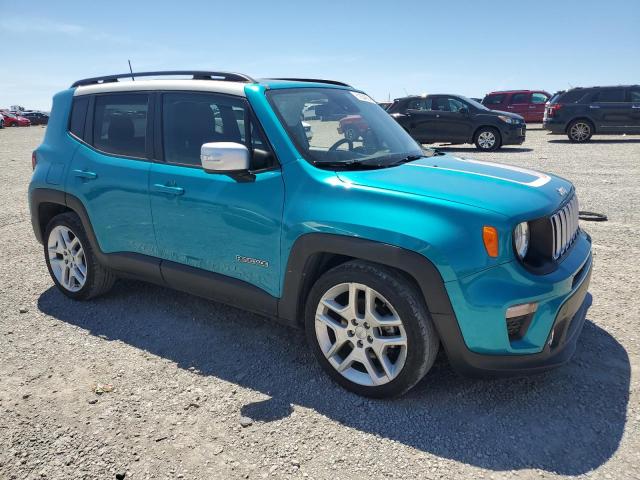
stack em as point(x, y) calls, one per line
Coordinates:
point(501, 117)
point(22, 118)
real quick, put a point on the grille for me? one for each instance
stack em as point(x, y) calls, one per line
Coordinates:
point(564, 227)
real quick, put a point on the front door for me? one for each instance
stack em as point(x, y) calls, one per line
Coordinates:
point(634, 100)
point(109, 173)
point(452, 120)
point(212, 221)
point(519, 103)
point(536, 107)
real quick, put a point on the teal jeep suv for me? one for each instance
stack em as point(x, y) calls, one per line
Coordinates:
point(381, 250)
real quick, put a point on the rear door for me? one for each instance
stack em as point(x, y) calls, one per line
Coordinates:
point(519, 103)
point(610, 110)
point(419, 119)
point(109, 171)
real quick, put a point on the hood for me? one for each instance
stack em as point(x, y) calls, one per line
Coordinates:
point(505, 189)
point(508, 114)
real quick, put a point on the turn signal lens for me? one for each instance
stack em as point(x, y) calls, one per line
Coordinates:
point(490, 239)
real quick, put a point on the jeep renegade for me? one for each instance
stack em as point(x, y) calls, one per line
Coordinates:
point(382, 251)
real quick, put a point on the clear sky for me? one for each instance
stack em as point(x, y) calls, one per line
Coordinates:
point(388, 48)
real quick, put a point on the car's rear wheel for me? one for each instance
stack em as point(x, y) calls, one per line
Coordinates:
point(71, 261)
point(370, 330)
point(580, 131)
point(488, 139)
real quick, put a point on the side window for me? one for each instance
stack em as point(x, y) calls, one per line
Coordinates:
point(520, 98)
point(120, 124)
point(455, 105)
point(419, 104)
point(78, 116)
point(609, 95)
point(539, 98)
point(634, 95)
point(190, 120)
point(439, 104)
point(493, 99)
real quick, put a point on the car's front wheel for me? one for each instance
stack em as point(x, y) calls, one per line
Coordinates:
point(579, 131)
point(488, 139)
point(370, 330)
point(72, 264)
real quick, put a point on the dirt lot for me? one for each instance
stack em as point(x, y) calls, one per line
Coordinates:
point(185, 371)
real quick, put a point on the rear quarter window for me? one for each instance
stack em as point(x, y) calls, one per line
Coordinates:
point(493, 99)
point(572, 96)
point(78, 116)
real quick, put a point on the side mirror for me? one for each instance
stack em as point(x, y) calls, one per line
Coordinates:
point(224, 157)
point(464, 111)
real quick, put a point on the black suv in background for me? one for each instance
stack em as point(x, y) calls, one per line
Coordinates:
point(582, 112)
point(457, 119)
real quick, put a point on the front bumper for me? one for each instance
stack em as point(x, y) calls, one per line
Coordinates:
point(475, 335)
point(514, 134)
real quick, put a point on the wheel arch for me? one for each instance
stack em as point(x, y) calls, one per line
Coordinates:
point(486, 125)
point(584, 119)
point(315, 253)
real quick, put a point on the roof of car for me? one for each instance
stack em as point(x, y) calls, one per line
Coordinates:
point(221, 82)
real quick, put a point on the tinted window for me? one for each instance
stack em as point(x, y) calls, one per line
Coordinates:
point(78, 116)
point(539, 98)
point(609, 95)
point(493, 99)
point(455, 105)
point(571, 96)
point(520, 98)
point(192, 119)
point(120, 124)
point(634, 95)
point(419, 104)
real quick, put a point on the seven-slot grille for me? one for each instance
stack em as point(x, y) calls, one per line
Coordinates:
point(564, 227)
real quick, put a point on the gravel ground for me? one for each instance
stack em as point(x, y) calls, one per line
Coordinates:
point(149, 383)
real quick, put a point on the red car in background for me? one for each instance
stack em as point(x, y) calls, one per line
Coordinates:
point(12, 120)
point(528, 103)
point(352, 127)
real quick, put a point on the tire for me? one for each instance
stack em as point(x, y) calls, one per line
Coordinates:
point(580, 131)
point(414, 341)
point(488, 139)
point(97, 278)
point(351, 134)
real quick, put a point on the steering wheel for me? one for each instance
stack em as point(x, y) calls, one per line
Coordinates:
point(342, 141)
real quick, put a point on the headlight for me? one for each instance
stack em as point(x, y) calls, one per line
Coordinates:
point(521, 239)
point(506, 119)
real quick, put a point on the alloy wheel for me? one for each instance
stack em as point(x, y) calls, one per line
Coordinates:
point(361, 334)
point(580, 131)
point(67, 258)
point(486, 140)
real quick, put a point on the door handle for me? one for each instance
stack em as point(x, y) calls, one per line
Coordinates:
point(158, 187)
point(594, 106)
point(509, 106)
point(85, 174)
point(532, 107)
point(437, 116)
point(635, 106)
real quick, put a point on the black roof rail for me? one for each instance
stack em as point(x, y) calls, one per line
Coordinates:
point(196, 74)
point(314, 80)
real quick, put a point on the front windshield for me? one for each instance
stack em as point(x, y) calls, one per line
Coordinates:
point(478, 105)
point(335, 126)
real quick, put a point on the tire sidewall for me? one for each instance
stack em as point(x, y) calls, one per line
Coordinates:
point(497, 135)
point(72, 222)
point(413, 369)
point(574, 122)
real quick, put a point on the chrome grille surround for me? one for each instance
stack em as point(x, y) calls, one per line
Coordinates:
point(564, 227)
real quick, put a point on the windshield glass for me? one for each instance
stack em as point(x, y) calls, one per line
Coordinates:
point(478, 105)
point(334, 126)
